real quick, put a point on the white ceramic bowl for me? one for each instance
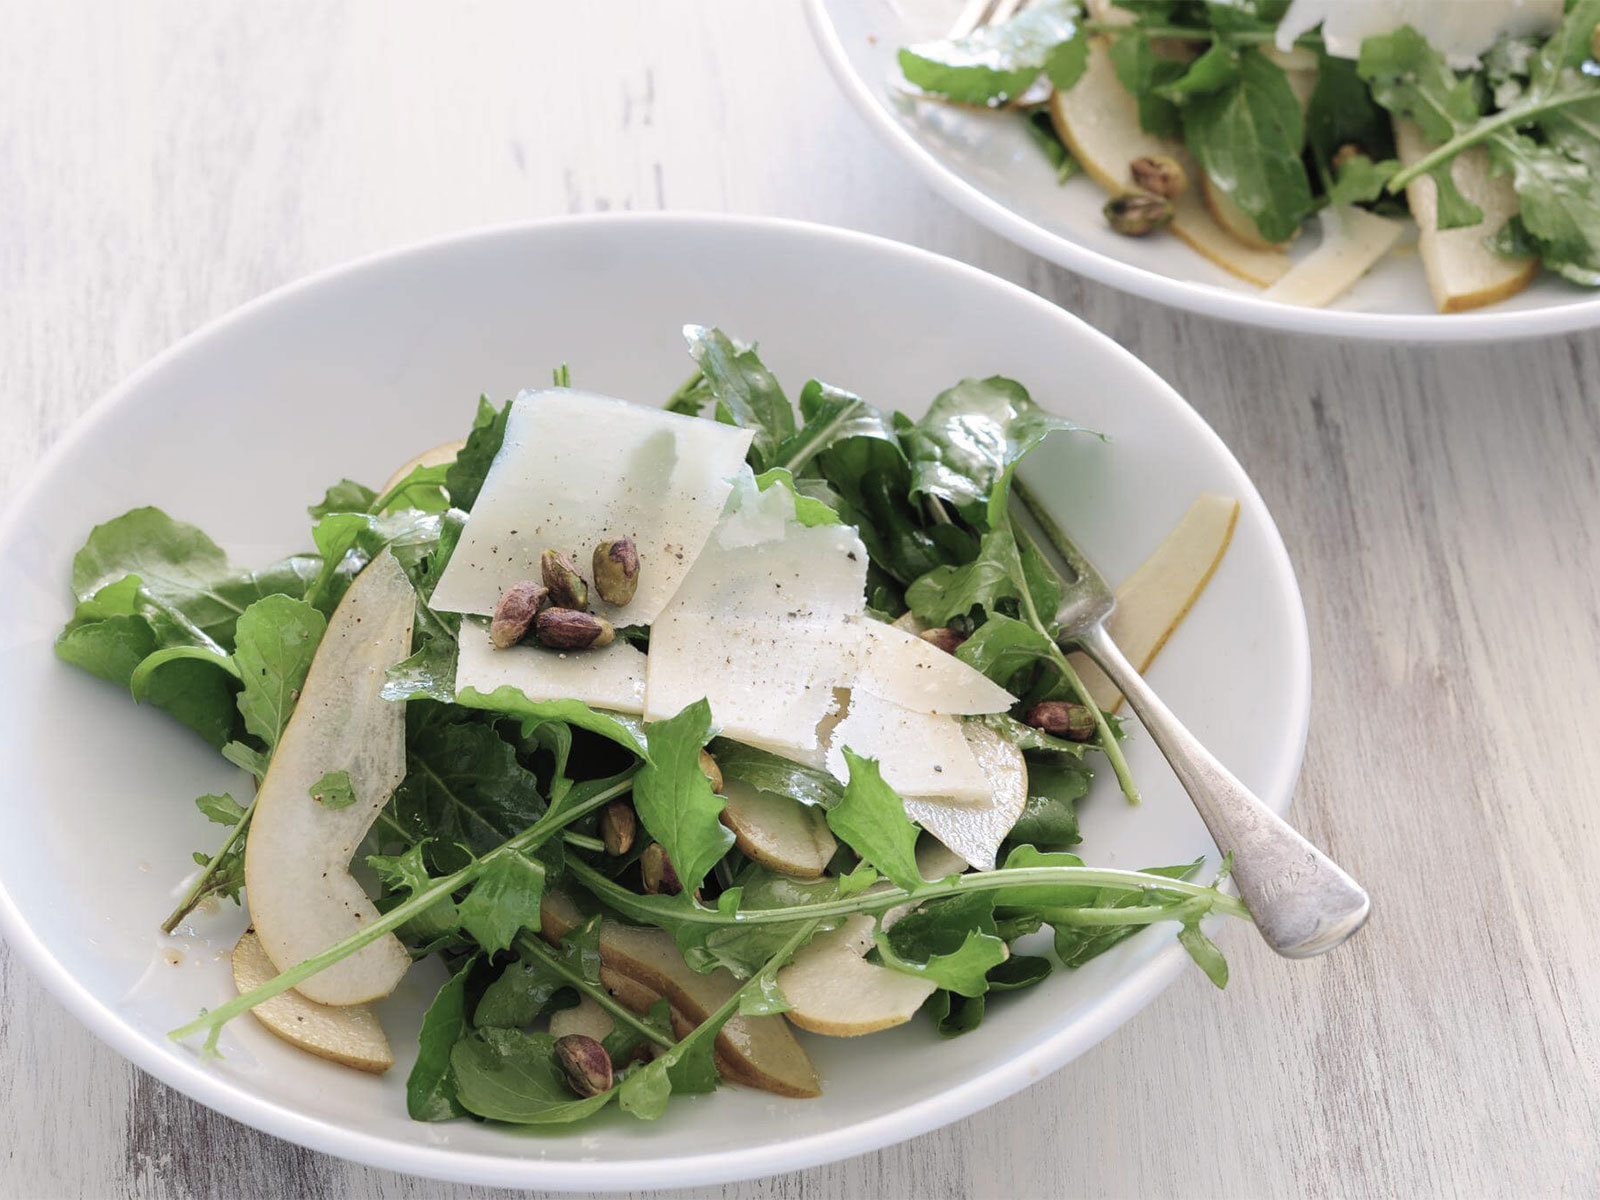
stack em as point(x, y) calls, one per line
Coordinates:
point(241, 425)
point(985, 165)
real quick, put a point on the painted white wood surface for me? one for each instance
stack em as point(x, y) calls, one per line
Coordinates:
point(161, 163)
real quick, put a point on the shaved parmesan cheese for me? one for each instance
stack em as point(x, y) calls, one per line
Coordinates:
point(764, 626)
point(1461, 30)
point(918, 753)
point(900, 667)
point(611, 677)
point(575, 469)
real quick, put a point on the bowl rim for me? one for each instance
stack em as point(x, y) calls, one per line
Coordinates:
point(1240, 308)
point(1118, 1004)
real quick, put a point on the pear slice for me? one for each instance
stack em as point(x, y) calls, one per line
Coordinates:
point(1099, 121)
point(350, 1035)
point(833, 990)
point(297, 862)
point(585, 1017)
point(1156, 598)
point(438, 456)
point(1463, 273)
point(777, 831)
point(975, 831)
point(1353, 239)
point(759, 1051)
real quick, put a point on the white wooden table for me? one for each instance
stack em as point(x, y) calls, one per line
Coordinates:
point(161, 163)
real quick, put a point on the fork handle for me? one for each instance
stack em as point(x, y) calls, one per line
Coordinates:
point(1302, 902)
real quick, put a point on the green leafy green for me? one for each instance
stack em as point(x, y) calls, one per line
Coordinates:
point(768, 772)
point(950, 942)
point(871, 819)
point(465, 476)
point(533, 713)
point(674, 799)
point(334, 790)
point(1041, 131)
point(276, 639)
point(1049, 819)
point(807, 509)
point(1248, 136)
point(223, 810)
point(519, 996)
point(996, 63)
point(503, 902)
point(345, 496)
point(508, 1075)
point(746, 393)
point(431, 1092)
point(406, 875)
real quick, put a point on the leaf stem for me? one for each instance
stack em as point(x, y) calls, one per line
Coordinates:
point(1485, 129)
point(654, 911)
point(809, 449)
point(530, 838)
point(202, 884)
point(531, 947)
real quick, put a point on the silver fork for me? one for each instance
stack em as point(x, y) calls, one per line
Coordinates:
point(1302, 902)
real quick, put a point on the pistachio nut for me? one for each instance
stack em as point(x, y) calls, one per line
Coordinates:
point(712, 771)
point(944, 637)
point(569, 629)
point(515, 613)
point(1159, 175)
point(567, 588)
point(1062, 719)
point(655, 869)
point(585, 1063)
point(1136, 214)
point(616, 570)
point(618, 825)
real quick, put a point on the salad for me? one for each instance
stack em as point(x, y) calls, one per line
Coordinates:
point(675, 735)
point(1240, 125)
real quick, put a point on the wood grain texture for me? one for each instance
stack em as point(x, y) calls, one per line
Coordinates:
point(161, 163)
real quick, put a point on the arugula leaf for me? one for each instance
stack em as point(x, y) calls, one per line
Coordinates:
point(1204, 951)
point(970, 435)
point(1413, 81)
point(503, 902)
point(1362, 181)
point(1248, 136)
point(1144, 73)
point(508, 1075)
point(996, 63)
point(769, 772)
point(831, 416)
point(334, 790)
point(954, 1015)
point(743, 949)
point(431, 1086)
point(185, 580)
point(223, 810)
point(1076, 945)
point(1002, 647)
point(345, 496)
point(463, 787)
point(1342, 112)
point(406, 874)
point(951, 942)
point(1041, 131)
point(747, 395)
point(277, 637)
point(465, 476)
point(674, 799)
point(1219, 67)
point(519, 996)
point(533, 713)
point(422, 488)
point(808, 510)
point(1026, 737)
point(1049, 819)
point(871, 819)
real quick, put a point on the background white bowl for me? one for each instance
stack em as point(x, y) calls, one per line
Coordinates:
point(241, 425)
point(985, 164)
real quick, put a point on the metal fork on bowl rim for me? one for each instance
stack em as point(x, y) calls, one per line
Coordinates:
point(1302, 902)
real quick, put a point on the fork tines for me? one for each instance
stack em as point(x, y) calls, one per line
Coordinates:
point(977, 13)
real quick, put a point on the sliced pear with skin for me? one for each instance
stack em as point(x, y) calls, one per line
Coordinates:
point(778, 832)
point(585, 1017)
point(1156, 598)
point(438, 456)
point(759, 1051)
point(974, 831)
point(301, 894)
point(936, 861)
point(1463, 273)
point(1353, 240)
point(1099, 121)
point(349, 1035)
point(833, 990)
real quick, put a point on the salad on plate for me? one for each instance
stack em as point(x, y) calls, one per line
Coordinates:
point(1467, 129)
point(668, 738)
